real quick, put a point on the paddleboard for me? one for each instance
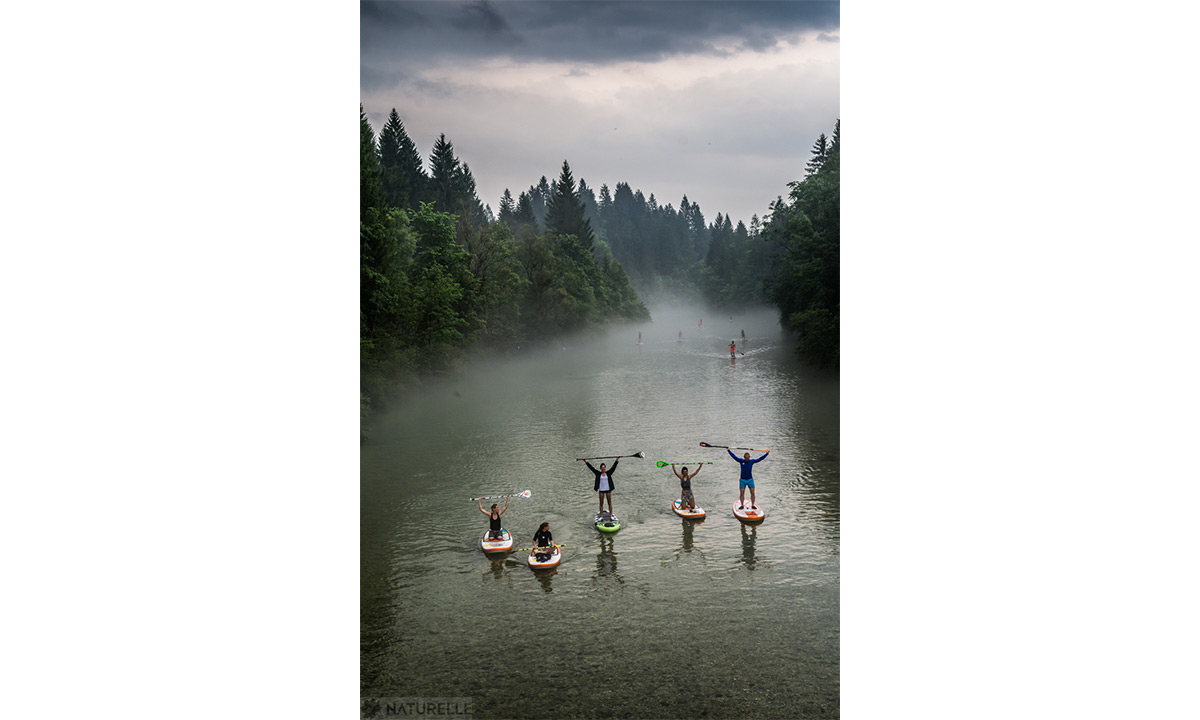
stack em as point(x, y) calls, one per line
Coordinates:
point(696, 513)
point(504, 543)
point(553, 561)
point(609, 525)
point(746, 513)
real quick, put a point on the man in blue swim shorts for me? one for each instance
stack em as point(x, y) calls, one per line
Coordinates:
point(747, 479)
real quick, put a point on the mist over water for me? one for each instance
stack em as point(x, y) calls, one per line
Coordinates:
point(665, 619)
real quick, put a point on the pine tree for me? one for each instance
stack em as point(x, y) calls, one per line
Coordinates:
point(524, 216)
point(591, 209)
point(508, 209)
point(539, 195)
point(565, 213)
point(403, 173)
point(370, 188)
point(445, 175)
point(820, 151)
point(606, 201)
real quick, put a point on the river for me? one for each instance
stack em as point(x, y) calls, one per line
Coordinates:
point(665, 619)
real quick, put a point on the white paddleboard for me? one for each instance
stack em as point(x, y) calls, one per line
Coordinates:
point(746, 513)
point(696, 513)
point(553, 561)
point(504, 543)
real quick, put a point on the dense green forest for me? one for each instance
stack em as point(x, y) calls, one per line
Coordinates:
point(441, 274)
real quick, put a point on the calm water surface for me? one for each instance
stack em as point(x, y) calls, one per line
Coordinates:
point(666, 618)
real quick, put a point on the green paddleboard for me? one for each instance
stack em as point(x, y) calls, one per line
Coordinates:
point(608, 524)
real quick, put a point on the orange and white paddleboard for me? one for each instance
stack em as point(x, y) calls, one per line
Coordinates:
point(693, 514)
point(553, 561)
point(504, 543)
point(747, 513)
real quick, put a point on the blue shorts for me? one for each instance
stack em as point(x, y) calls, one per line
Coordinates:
point(744, 483)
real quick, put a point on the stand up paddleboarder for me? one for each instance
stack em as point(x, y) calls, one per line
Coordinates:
point(747, 479)
point(604, 482)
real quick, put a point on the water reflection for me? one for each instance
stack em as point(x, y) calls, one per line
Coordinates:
point(686, 544)
point(749, 539)
point(606, 559)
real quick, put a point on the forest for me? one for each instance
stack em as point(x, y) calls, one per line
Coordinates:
point(443, 277)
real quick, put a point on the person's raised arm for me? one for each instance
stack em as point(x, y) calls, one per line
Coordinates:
point(697, 470)
point(735, 457)
point(485, 512)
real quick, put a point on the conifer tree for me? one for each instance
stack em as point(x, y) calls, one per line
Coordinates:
point(820, 151)
point(525, 216)
point(403, 172)
point(508, 209)
point(370, 188)
point(565, 213)
point(539, 196)
point(445, 175)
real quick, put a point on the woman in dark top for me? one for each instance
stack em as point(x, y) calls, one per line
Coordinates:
point(686, 500)
point(494, 514)
point(604, 482)
point(543, 539)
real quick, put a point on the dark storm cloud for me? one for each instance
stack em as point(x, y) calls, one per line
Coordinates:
point(584, 32)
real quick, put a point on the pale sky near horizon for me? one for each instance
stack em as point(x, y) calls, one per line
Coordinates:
point(718, 101)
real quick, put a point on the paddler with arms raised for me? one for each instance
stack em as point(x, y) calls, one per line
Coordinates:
point(604, 482)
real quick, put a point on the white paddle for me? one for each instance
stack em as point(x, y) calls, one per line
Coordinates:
point(524, 494)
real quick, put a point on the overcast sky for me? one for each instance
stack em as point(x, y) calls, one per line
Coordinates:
point(718, 101)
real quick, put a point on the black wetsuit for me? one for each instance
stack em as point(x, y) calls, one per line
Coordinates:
point(543, 539)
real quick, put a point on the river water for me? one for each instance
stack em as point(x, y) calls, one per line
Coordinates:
point(665, 619)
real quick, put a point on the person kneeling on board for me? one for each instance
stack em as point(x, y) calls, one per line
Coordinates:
point(686, 500)
point(543, 539)
point(495, 532)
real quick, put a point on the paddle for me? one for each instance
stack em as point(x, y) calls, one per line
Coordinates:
point(533, 548)
point(727, 447)
point(664, 464)
point(524, 494)
point(611, 457)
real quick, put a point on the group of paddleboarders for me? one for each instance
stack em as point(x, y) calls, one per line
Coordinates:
point(543, 541)
point(604, 486)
